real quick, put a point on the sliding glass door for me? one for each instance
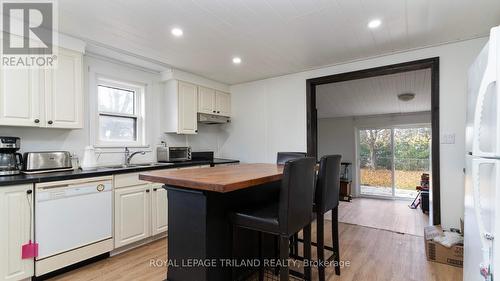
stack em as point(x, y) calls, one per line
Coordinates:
point(375, 160)
point(393, 160)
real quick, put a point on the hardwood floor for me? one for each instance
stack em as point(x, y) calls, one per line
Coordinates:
point(373, 253)
point(131, 265)
point(393, 215)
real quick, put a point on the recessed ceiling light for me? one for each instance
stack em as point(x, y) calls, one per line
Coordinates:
point(406, 97)
point(177, 32)
point(236, 60)
point(374, 23)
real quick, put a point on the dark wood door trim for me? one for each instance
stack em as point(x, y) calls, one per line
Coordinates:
point(432, 64)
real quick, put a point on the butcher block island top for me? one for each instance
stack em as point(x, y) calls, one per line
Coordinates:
point(218, 179)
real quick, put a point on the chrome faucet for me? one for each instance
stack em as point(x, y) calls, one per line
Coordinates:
point(129, 156)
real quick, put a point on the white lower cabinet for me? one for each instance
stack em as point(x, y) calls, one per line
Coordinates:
point(159, 210)
point(16, 210)
point(141, 210)
point(132, 214)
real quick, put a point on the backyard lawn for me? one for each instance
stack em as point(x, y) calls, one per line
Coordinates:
point(382, 178)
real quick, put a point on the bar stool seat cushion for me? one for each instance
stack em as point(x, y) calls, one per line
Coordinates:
point(264, 218)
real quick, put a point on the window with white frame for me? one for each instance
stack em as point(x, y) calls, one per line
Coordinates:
point(120, 114)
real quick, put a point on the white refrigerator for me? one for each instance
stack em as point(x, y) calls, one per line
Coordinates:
point(482, 172)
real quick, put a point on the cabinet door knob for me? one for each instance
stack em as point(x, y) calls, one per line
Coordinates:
point(213, 111)
point(218, 111)
point(155, 189)
point(37, 121)
point(29, 191)
point(147, 190)
point(196, 131)
point(50, 122)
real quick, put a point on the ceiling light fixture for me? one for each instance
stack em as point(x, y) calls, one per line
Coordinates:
point(177, 32)
point(236, 60)
point(374, 23)
point(406, 97)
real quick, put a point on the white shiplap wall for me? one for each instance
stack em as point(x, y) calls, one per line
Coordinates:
point(375, 95)
point(36, 139)
point(270, 115)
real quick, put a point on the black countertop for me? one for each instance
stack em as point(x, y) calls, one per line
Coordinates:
point(104, 171)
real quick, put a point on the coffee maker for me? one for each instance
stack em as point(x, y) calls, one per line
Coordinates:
point(10, 160)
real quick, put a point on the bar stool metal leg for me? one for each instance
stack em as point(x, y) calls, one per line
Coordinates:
point(276, 254)
point(233, 243)
point(284, 253)
point(320, 238)
point(307, 252)
point(261, 259)
point(296, 244)
point(335, 238)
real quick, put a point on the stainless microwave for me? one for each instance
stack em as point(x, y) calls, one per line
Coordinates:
point(173, 153)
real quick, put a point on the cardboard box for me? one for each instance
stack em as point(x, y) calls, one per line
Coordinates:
point(438, 253)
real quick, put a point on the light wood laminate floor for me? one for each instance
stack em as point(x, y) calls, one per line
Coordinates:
point(393, 215)
point(373, 253)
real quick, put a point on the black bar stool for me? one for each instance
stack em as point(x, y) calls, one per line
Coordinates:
point(281, 158)
point(292, 213)
point(326, 198)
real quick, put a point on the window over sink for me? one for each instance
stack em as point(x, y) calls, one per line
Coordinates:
point(120, 113)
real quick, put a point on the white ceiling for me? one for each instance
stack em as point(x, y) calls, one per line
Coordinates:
point(376, 95)
point(273, 37)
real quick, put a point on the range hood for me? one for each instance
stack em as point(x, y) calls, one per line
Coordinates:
point(212, 119)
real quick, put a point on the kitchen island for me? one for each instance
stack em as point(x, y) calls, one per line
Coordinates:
point(200, 237)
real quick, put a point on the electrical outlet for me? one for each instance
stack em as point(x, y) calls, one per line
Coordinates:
point(448, 138)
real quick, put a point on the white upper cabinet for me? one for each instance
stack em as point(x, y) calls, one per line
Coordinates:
point(214, 102)
point(50, 98)
point(222, 103)
point(188, 103)
point(180, 108)
point(63, 92)
point(20, 99)
point(206, 100)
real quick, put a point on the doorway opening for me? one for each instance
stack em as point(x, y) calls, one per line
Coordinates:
point(392, 161)
point(409, 139)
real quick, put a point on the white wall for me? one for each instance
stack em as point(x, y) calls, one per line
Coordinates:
point(270, 115)
point(338, 135)
point(36, 139)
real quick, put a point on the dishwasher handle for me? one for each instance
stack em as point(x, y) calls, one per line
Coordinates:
point(74, 185)
point(55, 192)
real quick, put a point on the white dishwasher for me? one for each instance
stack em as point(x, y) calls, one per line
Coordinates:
point(73, 221)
